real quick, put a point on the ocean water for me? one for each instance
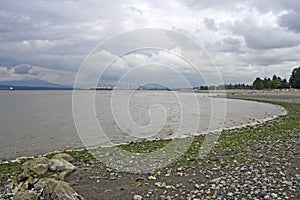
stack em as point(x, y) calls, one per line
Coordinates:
point(37, 122)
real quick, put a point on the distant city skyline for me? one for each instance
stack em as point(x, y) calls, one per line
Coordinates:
point(49, 40)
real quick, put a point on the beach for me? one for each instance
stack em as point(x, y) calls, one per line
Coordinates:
point(253, 163)
point(260, 162)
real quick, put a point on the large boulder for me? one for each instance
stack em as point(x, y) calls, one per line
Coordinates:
point(60, 165)
point(58, 190)
point(36, 166)
point(63, 156)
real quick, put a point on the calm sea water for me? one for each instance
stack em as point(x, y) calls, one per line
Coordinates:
point(37, 122)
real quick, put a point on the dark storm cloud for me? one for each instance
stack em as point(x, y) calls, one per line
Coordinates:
point(291, 21)
point(199, 4)
point(275, 5)
point(229, 44)
point(210, 24)
point(136, 10)
point(22, 69)
point(264, 36)
point(262, 6)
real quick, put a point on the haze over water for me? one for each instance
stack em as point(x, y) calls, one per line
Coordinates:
point(37, 122)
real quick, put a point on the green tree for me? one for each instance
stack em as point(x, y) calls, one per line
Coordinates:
point(267, 83)
point(276, 82)
point(284, 84)
point(258, 84)
point(295, 78)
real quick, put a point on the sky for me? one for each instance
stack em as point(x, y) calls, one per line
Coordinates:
point(50, 39)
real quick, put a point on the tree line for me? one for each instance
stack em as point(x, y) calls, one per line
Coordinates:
point(227, 87)
point(268, 83)
point(277, 82)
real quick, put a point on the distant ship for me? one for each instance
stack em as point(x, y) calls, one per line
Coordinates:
point(102, 88)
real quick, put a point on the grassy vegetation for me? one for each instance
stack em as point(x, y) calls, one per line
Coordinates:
point(144, 146)
point(79, 156)
point(235, 144)
point(231, 146)
point(238, 145)
point(9, 168)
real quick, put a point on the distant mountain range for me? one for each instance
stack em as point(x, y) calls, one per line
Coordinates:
point(32, 84)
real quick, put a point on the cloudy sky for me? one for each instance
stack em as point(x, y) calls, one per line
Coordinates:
point(49, 39)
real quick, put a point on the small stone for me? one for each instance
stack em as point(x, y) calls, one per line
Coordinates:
point(223, 182)
point(289, 183)
point(266, 197)
point(216, 168)
point(274, 195)
point(180, 174)
point(159, 184)
point(208, 192)
point(216, 180)
point(137, 197)
point(180, 169)
point(281, 173)
point(151, 178)
point(230, 194)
